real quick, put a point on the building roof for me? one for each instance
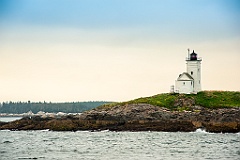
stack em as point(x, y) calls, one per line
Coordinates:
point(185, 77)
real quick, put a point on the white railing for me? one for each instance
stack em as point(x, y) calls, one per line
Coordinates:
point(198, 59)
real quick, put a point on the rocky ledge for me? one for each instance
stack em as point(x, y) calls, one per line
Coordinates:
point(136, 117)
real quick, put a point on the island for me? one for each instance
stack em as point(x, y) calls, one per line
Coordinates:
point(213, 111)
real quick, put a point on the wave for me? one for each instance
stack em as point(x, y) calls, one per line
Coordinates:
point(202, 130)
point(44, 130)
point(107, 130)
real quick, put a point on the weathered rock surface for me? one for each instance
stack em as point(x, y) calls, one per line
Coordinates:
point(136, 117)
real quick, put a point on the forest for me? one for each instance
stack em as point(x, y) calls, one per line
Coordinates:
point(66, 107)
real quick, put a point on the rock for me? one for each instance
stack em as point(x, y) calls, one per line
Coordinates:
point(147, 117)
point(184, 102)
point(2, 123)
point(136, 117)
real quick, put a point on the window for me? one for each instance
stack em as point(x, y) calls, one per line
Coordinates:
point(191, 72)
point(191, 83)
point(199, 82)
point(183, 83)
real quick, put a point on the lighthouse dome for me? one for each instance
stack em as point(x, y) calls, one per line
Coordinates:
point(193, 56)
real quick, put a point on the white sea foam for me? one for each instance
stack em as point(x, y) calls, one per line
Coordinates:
point(44, 130)
point(105, 130)
point(200, 130)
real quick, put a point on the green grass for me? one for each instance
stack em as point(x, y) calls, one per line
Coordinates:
point(218, 99)
point(162, 100)
point(207, 99)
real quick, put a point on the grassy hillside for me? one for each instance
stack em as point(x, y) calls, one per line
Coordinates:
point(207, 99)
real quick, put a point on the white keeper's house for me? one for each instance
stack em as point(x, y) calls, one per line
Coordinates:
point(190, 81)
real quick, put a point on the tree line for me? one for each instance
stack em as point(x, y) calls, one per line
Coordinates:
point(66, 107)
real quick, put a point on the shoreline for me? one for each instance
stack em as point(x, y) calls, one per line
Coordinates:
point(135, 117)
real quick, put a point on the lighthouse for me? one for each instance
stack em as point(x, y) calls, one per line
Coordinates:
point(194, 69)
point(190, 81)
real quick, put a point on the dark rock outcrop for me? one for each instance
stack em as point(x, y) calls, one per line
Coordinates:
point(137, 117)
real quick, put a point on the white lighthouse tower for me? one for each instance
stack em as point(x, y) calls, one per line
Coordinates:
point(194, 70)
point(190, 81)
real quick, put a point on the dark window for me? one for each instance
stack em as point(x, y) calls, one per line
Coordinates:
point(199, 82)
point(191, 72)
point(183, 83)
point(191, 83)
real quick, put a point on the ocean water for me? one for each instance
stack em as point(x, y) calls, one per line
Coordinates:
point(106, 145)
point(9, 119)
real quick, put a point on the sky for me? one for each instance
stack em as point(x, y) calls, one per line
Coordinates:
point(114, 50)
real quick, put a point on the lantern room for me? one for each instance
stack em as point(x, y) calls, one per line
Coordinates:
point(193, 56)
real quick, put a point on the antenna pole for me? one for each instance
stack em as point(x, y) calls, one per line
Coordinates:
point(188, 53)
